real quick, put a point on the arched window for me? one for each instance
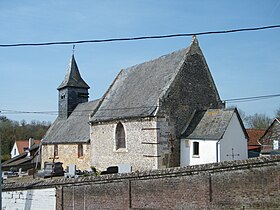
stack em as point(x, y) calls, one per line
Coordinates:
point(55, 152)
point(195, 148)
point(80, 150)
point(120, 136)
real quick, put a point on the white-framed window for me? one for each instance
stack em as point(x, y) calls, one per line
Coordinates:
point(275, 144)
point(196, 148)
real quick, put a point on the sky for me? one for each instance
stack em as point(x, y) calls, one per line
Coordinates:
point(242, 64)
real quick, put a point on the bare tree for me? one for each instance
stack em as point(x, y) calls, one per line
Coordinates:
point(277, 112)
point(258, 121)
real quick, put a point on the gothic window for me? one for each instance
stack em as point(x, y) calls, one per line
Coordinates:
point(120, 136)
point(55, 151)
point(80, 150)
point(195, 148)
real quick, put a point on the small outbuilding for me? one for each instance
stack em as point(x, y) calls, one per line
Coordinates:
point(214, 135)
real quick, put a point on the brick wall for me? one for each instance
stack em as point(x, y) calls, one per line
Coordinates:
point(243, 184)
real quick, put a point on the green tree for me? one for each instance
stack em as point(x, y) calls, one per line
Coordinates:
point(10, 131)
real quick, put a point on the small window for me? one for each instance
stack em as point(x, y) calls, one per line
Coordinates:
point(62, 96)
point(120, 136)
point(55, 151)
point(275, 144)
point(195, 148)
point(80, 150)
point(15, 151)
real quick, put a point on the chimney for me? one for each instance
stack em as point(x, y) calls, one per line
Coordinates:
point(31, 142)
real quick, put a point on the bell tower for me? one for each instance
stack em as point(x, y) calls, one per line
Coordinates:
point(72, 91)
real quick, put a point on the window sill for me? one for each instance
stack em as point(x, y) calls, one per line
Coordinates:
point(121, 150)
point(196, 156)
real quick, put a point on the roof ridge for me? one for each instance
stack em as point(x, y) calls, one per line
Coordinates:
point(192, 49)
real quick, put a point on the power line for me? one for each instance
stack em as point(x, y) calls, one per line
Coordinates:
point(139, 38)
point(253, 98)
point(234, 100)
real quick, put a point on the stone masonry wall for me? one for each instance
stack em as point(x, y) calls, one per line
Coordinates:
point(193, 89)
point(242, 184)
point(82, 163)
point(141, 148)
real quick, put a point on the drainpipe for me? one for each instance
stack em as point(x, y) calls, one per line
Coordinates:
point(217, 150)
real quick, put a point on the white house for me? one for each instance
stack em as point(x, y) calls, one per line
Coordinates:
point(212, 136)
point(21, 146)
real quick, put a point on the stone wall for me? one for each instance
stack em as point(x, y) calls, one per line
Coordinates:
point(141, 148)
point(67, 154)
point(192, 89)
point(242, 184)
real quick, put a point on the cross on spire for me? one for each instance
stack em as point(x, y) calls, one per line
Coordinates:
point(232, 154)
point(73, 49)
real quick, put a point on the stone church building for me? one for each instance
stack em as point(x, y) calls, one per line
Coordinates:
point(139, 120)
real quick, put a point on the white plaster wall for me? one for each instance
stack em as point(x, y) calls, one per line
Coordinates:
point(38, 199)
point(185, 153)
point(234, 137)
point(104, 153)
point(12, 152)
point(207, 152)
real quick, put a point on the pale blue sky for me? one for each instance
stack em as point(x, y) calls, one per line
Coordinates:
point(242, 64)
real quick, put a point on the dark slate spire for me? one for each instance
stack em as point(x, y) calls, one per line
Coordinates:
point(73, 77)
point(72, 91)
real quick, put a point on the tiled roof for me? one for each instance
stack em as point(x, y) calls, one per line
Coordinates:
point(254, 136)
point(21, 144)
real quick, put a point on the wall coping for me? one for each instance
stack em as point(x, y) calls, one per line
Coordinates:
point(152, 174)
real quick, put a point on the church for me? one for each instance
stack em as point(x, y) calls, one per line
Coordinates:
point(140, 119)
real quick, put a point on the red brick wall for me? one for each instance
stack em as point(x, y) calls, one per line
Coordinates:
point(250, 184)
point(243, 184)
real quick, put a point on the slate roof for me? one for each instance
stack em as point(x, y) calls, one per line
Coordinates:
point(73, 77)
point(136, 90)
point(74, 129)
point(210, 124)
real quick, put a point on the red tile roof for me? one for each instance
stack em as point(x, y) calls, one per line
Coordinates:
point(254, 136)
point(21, 144)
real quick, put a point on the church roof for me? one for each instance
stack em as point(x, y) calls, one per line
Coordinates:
point(136, 90)
point(73, 77)
point(74, 129)
point(210, 124)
